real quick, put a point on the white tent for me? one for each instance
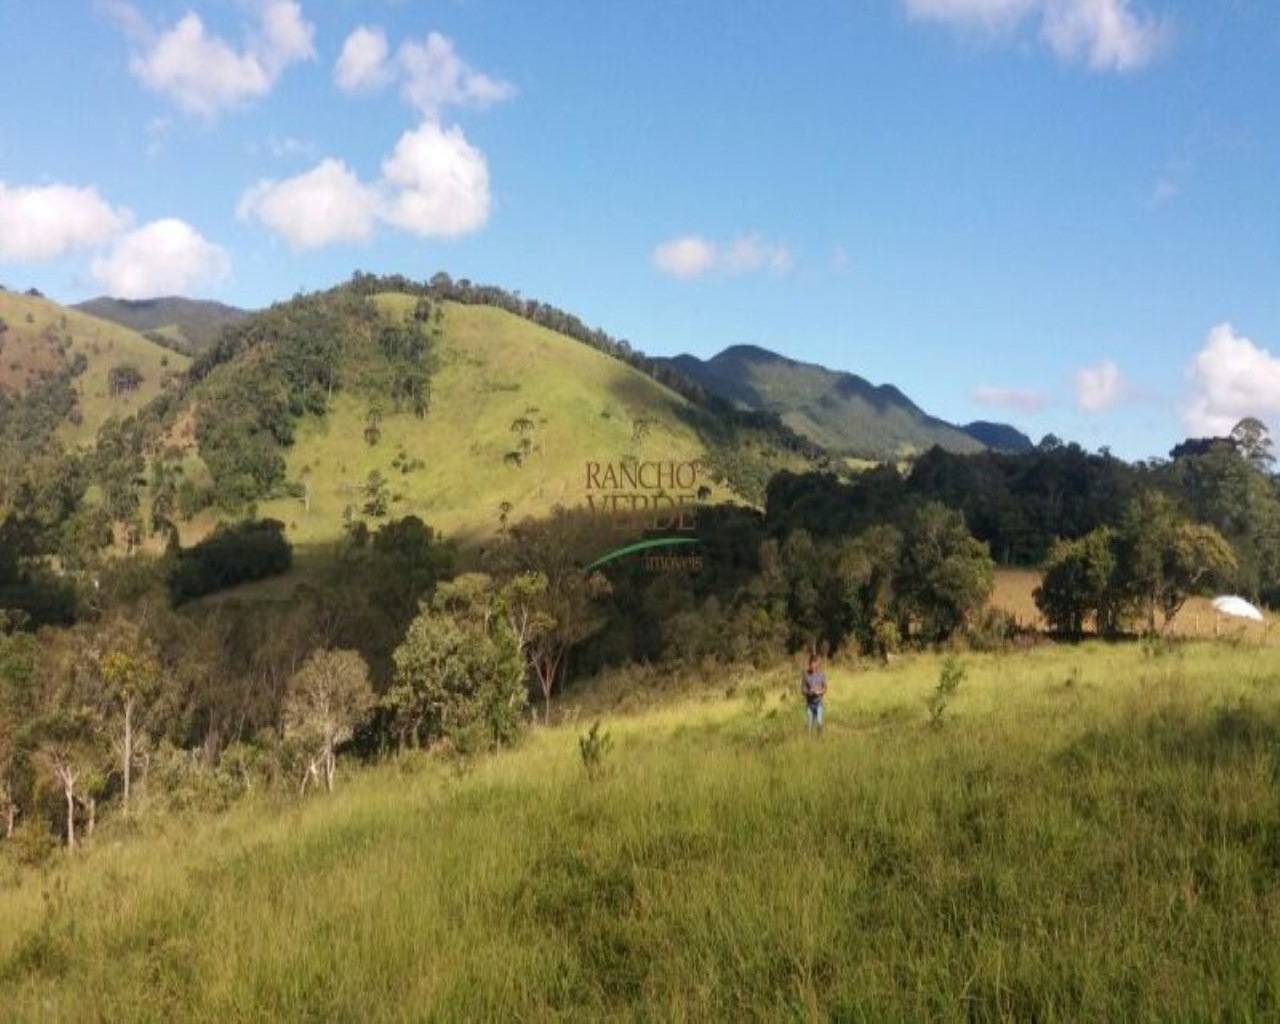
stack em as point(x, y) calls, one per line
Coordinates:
point(1237, 608)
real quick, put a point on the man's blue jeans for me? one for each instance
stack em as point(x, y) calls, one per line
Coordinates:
point(815, 713)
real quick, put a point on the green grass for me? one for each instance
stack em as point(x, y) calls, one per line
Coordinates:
point(495, 369)
point(1094, 833)
point(36, 325)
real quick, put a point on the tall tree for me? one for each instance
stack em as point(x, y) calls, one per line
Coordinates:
point(328, 696)
point(132, 679)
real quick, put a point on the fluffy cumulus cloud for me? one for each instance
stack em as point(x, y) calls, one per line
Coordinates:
point(326, 205)
point(432, 76)
point(435, 78)
point(203, 74)
point(437, 183)
point(1099, 387)
point(43, 222)
point(165, 257)
point(363, 65)
point(686, 257)
point(1107, 35)
point(1231, 378)
point(691, 256)
point(434, 184)
point(1026, 400)
point(1104, 35)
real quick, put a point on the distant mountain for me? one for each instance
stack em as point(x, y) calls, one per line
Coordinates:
point(840, 411)
point(189, 325)
point(999, 436)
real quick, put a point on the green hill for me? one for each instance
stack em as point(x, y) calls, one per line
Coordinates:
point(190, 325)
point(495, 370)
point(306, 411)
point(842, 412)
point(42, 339)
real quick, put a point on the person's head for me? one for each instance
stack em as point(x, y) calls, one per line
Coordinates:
point(814, 662)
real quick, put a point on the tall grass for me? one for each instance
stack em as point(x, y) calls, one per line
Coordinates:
point(1092, 833)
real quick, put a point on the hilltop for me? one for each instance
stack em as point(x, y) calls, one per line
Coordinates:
point(503, 385)
point(364, 403)
point(840, 411)
point(190, 325)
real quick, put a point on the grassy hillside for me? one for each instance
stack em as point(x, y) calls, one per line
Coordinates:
point(840, 411)
point(496, 369)
point(43, 337)
point(1091, 835)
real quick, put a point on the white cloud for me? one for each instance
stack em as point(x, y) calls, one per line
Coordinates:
point(435, 78)
point(1105, 35)
point(363, 64)
point(286, 147)
point(686, 257)
point(130, 20)
point(989, 15)
point(1108, 35)
point(203, 74)
point(165, 257)
point(1165, 191)
point(1231, 378)
point(437, 183)
point(1098, 387)
point(749, 253)
point(690, 256)
point(287, 37)
point(43, 222)
point(1023, 399)
point(324, 206)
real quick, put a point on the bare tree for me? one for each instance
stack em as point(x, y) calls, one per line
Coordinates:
point(327, 698)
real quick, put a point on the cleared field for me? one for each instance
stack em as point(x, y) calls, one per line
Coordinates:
point(1092, 833)
point(1197, 620)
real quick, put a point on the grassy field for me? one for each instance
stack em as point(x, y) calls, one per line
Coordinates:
point(496, 369)
point(1092, 833)
point(43, 336)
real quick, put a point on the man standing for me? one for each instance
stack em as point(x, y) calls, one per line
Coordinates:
point(813, 685)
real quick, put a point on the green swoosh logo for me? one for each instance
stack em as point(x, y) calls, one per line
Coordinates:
point(644, 545)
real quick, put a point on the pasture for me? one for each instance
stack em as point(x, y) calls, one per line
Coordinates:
point(1087, 832)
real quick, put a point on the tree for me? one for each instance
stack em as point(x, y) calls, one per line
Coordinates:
point(457, 675)
point(377, 496)
point(1253, 442)
point(945, 575)
point(1163, 558)
point(865, 569)
point(558, 604)
point(68, 744)
point(327, 697)
point(132, 679)
point(17, 707)
point(1080, 582)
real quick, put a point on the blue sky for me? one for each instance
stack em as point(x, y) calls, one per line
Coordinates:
point(1059, 213)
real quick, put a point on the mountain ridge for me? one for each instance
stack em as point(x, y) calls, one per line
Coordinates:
point(190, 325)
point(840, 411)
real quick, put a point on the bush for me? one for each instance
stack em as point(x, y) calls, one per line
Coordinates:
point(252, 550)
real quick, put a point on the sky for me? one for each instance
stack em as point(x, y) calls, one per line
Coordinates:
point(1063, 214)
